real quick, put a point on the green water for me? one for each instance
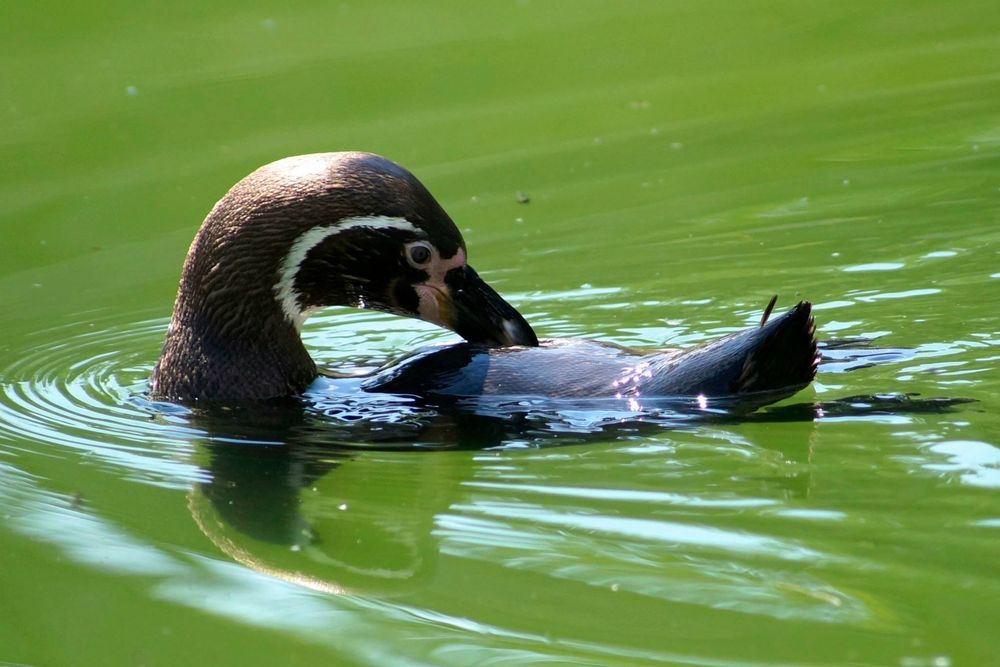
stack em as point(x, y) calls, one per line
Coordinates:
point(684, 161)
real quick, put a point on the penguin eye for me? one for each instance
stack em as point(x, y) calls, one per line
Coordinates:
point(418, 254)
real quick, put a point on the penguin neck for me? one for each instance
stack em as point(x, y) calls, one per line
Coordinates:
point(232, 344)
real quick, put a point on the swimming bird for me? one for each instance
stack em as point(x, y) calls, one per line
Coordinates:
point(357, 229)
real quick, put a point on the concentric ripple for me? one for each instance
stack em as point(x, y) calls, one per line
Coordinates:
point(77, 391)
point(83, 386)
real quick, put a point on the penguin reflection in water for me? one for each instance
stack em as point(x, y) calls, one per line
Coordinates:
point(356, 229)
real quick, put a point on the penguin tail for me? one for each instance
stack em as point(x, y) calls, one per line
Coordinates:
point(781, 353)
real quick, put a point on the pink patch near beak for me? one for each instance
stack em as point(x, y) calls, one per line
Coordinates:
point(433, 291)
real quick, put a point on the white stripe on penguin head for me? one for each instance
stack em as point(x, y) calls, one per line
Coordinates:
point(285, 287)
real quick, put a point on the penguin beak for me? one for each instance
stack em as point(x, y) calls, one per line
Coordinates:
point(473, 310)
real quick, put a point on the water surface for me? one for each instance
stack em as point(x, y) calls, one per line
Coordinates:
point(683, 164)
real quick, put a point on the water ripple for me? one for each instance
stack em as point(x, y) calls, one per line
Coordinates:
point(78, 393)
point(84, 388)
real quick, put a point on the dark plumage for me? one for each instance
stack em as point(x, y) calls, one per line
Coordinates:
point(356, 229)
point(755, 366)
